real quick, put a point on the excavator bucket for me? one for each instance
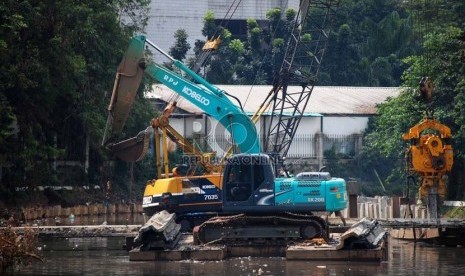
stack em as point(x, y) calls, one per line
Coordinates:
point(127, 81)
point(133, 149)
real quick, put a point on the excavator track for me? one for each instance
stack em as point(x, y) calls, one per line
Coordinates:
point(258, 229)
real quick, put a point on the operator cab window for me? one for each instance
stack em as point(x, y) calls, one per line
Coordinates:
point(259, 175)
point(239, 182)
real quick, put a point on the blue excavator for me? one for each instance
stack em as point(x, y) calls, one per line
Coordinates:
point(250, 198)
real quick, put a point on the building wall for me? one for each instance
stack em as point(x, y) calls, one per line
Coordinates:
point(331, 125)
point(338, 132)
point(309, 125)
point(328, 125)
point(344, 125)
point(168, 16)
point(178, 125)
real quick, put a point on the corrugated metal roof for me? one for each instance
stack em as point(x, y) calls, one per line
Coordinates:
point(324, 99)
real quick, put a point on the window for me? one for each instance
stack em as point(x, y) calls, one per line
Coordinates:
point(239, 182)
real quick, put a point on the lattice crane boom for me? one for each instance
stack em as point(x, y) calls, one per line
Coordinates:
point(303, 56)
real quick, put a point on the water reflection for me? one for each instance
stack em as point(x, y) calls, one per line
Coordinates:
point(103, 256)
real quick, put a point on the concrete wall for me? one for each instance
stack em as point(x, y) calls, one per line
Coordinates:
point(179, 125)
point(379, 207)
point(308, 125)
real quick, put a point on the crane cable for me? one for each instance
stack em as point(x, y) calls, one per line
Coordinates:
point(420, 34)
point(426, 85)
point(424, 28)
point(226, 15)
point(425, 32)
point(203, 57)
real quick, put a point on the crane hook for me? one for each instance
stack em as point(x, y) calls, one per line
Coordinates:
point(426, 89)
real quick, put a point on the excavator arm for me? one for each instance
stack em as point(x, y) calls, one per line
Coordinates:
point(198, 91)
point(127, 81)
point(207, 97)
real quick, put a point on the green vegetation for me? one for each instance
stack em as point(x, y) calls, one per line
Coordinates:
point(57, 65)
point(442, 60)
point(181, 46)
point(453, 212)
point(369, 40)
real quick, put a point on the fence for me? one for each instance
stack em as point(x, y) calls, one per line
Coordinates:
point(303, 145)
point(344, 145)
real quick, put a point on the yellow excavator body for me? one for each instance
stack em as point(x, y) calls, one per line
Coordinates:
point(183, 194)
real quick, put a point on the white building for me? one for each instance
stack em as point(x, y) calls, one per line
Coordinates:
point(166, 17)
point(334, 116)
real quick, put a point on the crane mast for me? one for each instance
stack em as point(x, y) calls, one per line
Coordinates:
point(303, 56)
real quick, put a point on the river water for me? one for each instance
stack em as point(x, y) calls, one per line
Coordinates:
point(114, 219)
point(104, 256)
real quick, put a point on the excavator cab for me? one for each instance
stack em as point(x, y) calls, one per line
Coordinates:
point(248, 183)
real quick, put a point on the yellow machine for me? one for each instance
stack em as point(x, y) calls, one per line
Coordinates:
point(430, 155)
point(181, 191)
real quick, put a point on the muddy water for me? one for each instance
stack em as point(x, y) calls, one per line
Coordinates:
point(104, 256)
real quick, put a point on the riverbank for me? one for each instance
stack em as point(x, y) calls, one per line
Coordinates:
point(24, 206)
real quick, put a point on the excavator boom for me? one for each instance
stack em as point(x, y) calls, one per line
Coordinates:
point(206, 96)
point(127, 81)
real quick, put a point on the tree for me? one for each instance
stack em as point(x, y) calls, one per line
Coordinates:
point(181, 46)
point(209, 28)
point(443, 53)
point(57, 63)
point(342, 54)
point(220, 68)
point(369, 42)
point(366, 47)
point(251, 67)
point(254, 36)
point(254, 61)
